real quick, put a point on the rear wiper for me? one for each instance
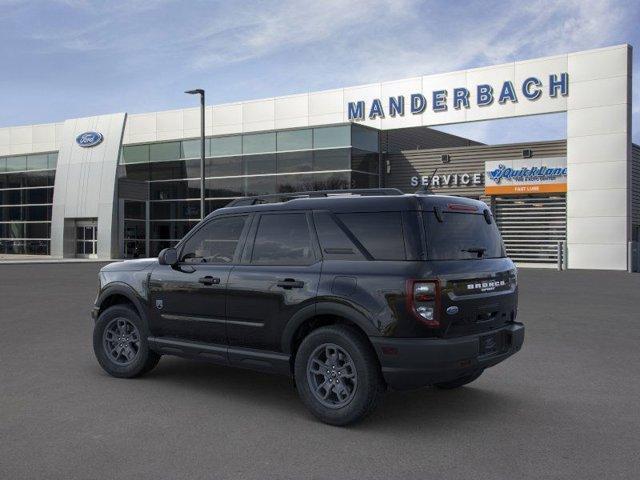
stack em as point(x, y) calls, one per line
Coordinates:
point(479, 250)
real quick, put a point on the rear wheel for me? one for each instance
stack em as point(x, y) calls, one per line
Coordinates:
point(337, 375)
point(459, 382)
point(120, 343)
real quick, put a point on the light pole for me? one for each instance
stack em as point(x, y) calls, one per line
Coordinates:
point(200, 91)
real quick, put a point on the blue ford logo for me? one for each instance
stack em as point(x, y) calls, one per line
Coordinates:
point(89, 139)
point(452, 310)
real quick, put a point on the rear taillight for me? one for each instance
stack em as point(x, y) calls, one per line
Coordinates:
point(423, 298)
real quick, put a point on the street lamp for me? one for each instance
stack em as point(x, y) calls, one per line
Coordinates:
point(200, 91)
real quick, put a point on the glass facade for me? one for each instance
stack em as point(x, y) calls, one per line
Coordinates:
point(321, 158)
point(26, 196)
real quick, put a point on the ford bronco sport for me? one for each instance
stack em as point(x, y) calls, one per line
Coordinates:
point(348, 293)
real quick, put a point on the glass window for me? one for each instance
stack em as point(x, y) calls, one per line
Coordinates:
point(328, 137)
point(133, 209)
point(175, 170)
point(38, 179)
point(37, 213)
point(162, 152)
point(259, 143)
point(38, 230)
point(379, 233)
point(295, 140)
point(295, 183)
point(37, 162)
point(223, 166)
point(173, 230)
point(364, 161)
point(37, 247)
point(180, 189)
point(14, 230)
point(135, 154)
point(38, 195)
point(330, 181)
point(260, 185)
point(225, 146)
point(364, 139)
point(134, 230)
point(16, 164)
point(259, 164)
point(364, 180)
point(295, 162)
point(52, 160)
point(283, 239)
point(462, 236)
point(3, 165)
point(225, 187)
point(339, 159)
point(175, 210)
point(215, 242)
point(191, 148)
point(211, 205)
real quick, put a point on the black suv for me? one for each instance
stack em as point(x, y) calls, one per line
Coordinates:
point(346, 293)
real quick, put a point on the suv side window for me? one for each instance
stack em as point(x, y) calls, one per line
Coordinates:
point(380, 233)
point(216, 242)
point(283, 239)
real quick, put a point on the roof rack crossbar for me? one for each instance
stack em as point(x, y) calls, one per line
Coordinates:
point(285, 197)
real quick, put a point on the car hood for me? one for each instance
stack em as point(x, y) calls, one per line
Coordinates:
point(130, 265)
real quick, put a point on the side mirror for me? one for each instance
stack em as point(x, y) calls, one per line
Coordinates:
point(168, 256)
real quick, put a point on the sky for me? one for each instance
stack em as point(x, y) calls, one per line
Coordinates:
point(74, 58)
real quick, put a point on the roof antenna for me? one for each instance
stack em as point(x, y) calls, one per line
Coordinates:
point(426, 189)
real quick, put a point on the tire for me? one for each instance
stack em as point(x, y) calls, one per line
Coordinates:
point(352, 390)
point(459, 382)
point(134, 358)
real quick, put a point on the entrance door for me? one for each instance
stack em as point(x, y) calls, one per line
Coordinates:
point(87, 239)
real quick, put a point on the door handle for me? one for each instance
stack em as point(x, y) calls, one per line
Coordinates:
point(209, 280)
point(289, 283)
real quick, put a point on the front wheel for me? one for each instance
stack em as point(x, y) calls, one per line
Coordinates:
point(120, 343)
point(337, 375)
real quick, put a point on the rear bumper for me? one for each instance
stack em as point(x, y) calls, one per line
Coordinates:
point(416, 362)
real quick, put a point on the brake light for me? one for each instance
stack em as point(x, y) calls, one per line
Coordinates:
point(423, 299)
point(458, 207)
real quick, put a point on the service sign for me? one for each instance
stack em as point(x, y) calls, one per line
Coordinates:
point(532, 175)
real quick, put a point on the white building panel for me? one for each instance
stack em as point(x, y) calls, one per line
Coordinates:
point(598, 148)
point(598, 93)
point(597, 120)
point(599, 63)
point(601, 175)
point(494, 76)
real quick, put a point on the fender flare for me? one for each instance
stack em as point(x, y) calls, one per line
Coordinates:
point(126, 291)
point(325, 308)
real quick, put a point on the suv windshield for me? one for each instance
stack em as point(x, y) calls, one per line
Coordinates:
point(462, 236)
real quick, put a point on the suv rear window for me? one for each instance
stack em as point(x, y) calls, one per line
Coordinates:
point(462, 236)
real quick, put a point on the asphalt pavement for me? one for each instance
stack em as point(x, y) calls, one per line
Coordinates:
point(567, 406)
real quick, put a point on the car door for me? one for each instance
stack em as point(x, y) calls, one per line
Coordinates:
point(188, 299)
point(278, 275)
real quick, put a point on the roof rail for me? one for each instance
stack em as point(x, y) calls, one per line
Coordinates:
point(285, 197)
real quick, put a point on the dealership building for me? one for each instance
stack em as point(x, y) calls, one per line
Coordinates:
point(127, 185)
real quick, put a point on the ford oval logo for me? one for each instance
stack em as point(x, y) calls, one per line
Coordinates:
point(89, 139)
point(452, 310)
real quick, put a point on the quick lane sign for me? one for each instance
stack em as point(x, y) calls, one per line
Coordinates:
point(482, 95)
point(542, 175)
